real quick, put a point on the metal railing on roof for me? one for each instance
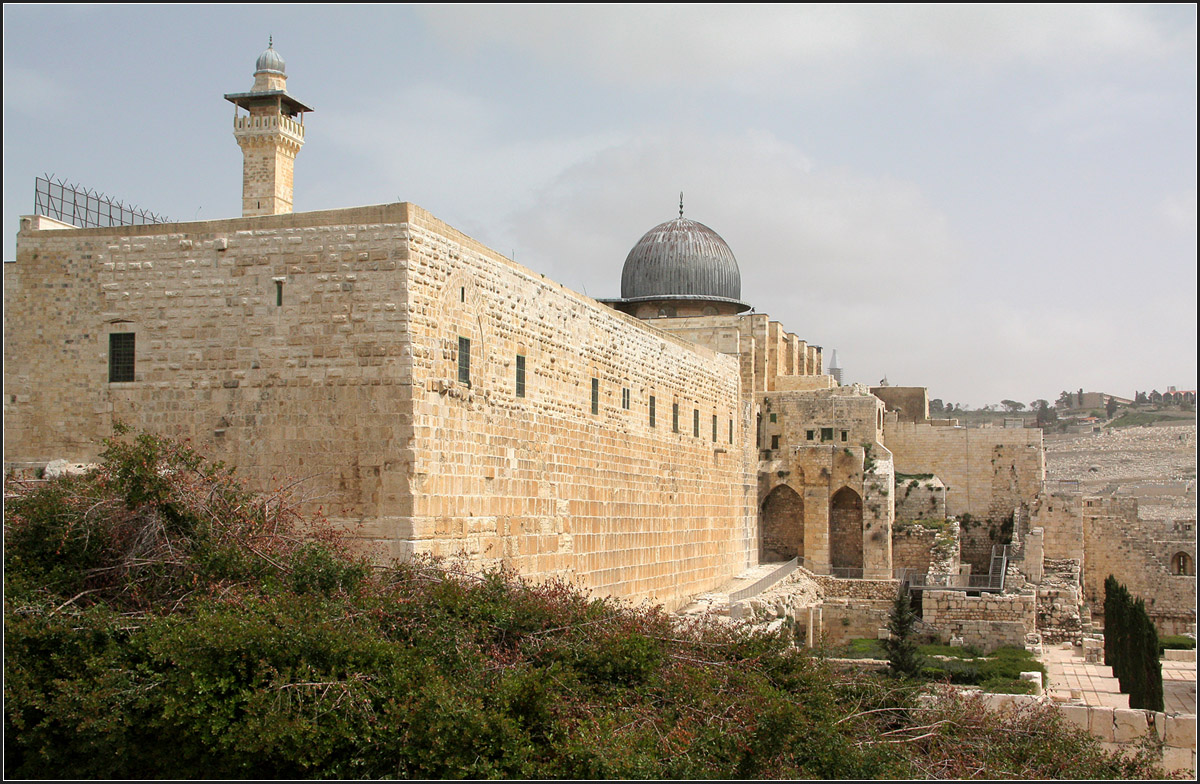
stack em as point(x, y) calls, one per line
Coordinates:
point(83, 207)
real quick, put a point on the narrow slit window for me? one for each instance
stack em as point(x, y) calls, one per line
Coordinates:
point(652, 411)
point(278, 293)
point(595, 396)
point(625, 398)
point(120, 357)
point(464, 361)
point(714, 428)
point(731, 431)
point(674, 417)
point(695, 423)
point(520, 375)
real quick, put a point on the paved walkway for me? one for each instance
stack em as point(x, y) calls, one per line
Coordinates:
point(718, 601)
point(1071, 676)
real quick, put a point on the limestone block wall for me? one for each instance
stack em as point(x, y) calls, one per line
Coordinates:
point(988, 622)
point(911, 547)
point(844, 620)
point(278, 344)
point(572, 478)
point(1060, 516)
point(1116, 542)
point(987, 471)
point(1123, 729)
point(325, 345)
point(911, 404)
point(921, 498)
point(767, 352)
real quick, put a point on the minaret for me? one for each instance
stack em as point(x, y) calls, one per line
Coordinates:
point(835, 369)
point(270, 136)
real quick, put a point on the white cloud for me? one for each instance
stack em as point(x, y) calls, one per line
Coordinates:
point(819, 45)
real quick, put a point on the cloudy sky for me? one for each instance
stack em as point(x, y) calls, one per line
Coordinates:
point(993, 202)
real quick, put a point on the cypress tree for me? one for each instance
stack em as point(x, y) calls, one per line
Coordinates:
point(1110, 620)
point(901, 647)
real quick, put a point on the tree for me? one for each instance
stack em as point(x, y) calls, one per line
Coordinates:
point(1046, 415)
point(1065, 399)
point(936, 406)
point(1131, 647)
point(1012, 405)
point(1110, 408)
point(901, 647)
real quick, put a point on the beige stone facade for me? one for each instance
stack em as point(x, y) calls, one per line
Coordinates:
point(327, 345)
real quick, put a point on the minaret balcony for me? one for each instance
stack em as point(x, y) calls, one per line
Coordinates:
point(269, 124)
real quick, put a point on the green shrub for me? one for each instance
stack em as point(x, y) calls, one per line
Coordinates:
point(1176, 642)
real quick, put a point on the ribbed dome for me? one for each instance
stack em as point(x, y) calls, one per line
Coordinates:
point(269, 61)
point(681, 259)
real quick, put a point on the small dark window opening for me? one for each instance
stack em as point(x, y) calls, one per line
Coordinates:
point(464, 361)
point(520, 375)
point(714, 428)
point(674, 417)
point(652, 411)
point(462, 294)
point(827, 434)
point(695, 423)
point(120, 357)
point(774, 442)
point(731, 431)
point(595, 396)
point(278, 293)
point(844, 434)
point(625, 398)
point(773, 418)
point(809, 434)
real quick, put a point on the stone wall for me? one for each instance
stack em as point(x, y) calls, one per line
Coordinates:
point(987, 471)
point(911, 547)
point(1123, 729)
point(920, 498)
point(988, 622)
point(911, 404)
point(1060, 516)
point(771, 358)
point(844, 620)
point(1118, 543)
point(326, 345)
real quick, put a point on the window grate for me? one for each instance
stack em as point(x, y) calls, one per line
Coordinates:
point(464, 361)
point(120, 357)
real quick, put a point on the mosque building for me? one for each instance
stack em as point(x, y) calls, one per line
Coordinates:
point(435, 396)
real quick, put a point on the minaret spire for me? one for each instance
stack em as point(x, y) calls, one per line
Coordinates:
point(270, 136)
point(681, 204)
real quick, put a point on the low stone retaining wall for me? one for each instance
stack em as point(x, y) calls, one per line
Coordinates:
point(988, 622)
point(1124, 728)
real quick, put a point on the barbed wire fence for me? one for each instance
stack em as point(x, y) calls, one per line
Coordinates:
point(84, 207)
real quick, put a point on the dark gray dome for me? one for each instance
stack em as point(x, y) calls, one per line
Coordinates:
point(270, 61)
point(681, 259)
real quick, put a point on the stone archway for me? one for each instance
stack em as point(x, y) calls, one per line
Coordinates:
point(846, 530)
point(1181, 564)
point(781, 525)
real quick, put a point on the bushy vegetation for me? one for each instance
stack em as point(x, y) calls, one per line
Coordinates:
point(1176, 642)
point(162, 622)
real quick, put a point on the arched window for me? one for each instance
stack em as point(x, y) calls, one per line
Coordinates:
point(1181, 564)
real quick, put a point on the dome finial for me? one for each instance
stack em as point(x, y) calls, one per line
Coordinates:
point(270, 42)
point(681, 204)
